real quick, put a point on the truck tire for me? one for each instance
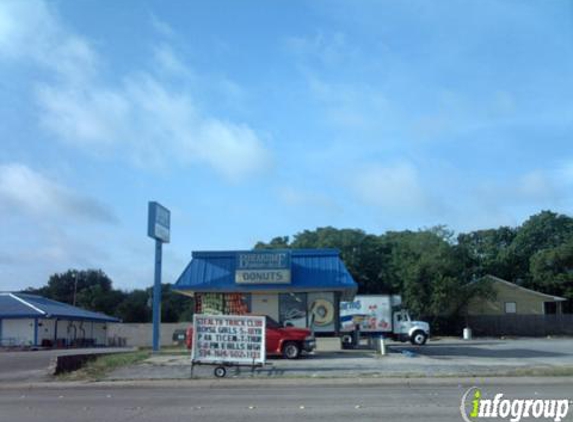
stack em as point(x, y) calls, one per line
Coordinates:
point(418, 338)
point(346, 341)
point(291, 350)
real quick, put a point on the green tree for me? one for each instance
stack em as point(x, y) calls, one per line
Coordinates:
point(175, 307)
point(360, 252)
point(64, 287)
point(281, 242)
point(486, 252)
point(136, 307)
point(95, 298)
point(94, 291)
point(552, 270)
point(425, 268)
point(541, 231)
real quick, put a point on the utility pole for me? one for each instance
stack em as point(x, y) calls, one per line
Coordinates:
point(75, 286)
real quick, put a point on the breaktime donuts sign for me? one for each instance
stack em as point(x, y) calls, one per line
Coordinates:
point(229, 339)
point(268, 267)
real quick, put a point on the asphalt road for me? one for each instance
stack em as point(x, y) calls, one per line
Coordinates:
point(264, 403)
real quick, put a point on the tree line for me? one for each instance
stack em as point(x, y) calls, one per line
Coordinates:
point(433, 269)
point(93, 290)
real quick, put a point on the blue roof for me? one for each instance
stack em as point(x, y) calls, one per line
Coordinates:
point(311, 270)
point(24, 305)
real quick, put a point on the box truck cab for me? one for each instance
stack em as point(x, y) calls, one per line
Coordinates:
point(383, 315)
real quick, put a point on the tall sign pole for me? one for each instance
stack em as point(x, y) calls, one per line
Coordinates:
point(158, 228)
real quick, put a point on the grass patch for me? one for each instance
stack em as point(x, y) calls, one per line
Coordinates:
point(168, 350)
point(550, 371)
point(102, 365)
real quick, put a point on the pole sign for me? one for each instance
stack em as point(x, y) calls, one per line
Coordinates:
point(263, 267)
point(158, 222)
point(238, 340)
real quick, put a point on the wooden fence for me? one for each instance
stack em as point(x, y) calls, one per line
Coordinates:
point(522, 325)
point(503, 325)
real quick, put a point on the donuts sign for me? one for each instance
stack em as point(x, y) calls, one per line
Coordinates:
point(265, 267)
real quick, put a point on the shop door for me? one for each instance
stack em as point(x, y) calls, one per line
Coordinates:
point(265, 305)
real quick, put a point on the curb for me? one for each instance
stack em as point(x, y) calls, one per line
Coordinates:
point(259, 383)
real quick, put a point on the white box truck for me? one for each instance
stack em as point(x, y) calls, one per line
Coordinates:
point(382, 315)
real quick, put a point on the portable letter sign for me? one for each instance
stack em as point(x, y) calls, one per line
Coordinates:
point(229, 339)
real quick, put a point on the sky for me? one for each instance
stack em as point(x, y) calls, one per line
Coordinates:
point(255, 119)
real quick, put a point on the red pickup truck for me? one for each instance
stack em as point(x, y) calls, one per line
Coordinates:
point(288, 342)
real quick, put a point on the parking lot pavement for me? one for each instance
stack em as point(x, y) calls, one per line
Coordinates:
point(530, 351)
point(439, 358)
point(33, 365)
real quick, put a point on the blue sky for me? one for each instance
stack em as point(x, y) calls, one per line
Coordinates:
point(257, 119)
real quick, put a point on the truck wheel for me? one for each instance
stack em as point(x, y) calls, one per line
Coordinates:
point(291, 350)
point(418, 338)
point(346, 341)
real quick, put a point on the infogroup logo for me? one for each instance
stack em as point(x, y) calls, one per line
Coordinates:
point(475, 407)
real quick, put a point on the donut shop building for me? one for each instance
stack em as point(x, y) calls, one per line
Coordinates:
point(297, 287)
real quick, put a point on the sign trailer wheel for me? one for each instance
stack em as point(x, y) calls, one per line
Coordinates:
point(220, 371)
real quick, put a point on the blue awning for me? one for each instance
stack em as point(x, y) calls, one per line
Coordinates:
point(24, 305)
point(311, 270)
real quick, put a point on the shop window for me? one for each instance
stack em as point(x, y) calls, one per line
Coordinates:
point(510, 307)
point(292, 309)
point(236, 304)
point(322, 311)
point(222, 303)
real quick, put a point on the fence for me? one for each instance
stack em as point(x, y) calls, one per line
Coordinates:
point(522, 325)
point(140, 335)
point(503, 325)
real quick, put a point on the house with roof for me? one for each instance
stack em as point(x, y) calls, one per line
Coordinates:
point(512, 299)
point(31, 320)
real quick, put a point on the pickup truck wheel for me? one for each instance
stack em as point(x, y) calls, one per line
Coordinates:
point(291, 350)
point(418, 338)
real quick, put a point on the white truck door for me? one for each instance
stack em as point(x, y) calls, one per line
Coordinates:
point(401, 322)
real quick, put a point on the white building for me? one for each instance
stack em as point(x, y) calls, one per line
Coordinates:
point(30, 320)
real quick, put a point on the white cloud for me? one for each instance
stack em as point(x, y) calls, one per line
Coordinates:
point(234, 150)
point(142, 118)
point(30, 30)
point(162, 27)
point(296, 197)
point(565, 172)
point(169, 62)
point(22, 190)
point(395, 188)
point(330, 48)
point(535, 186)
point(83, 117)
